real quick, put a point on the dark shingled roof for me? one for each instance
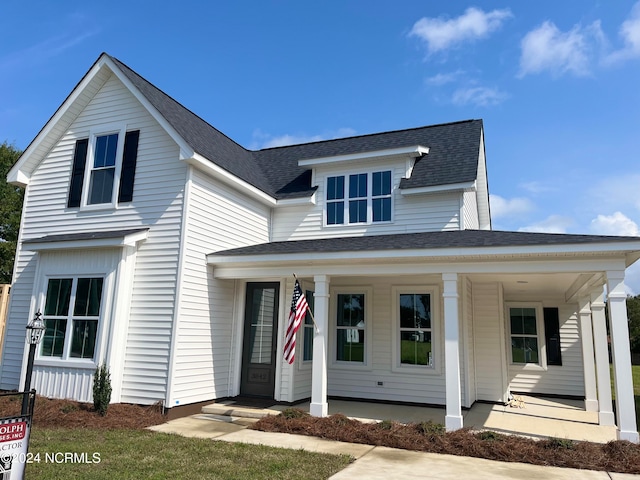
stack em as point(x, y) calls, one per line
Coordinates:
point(70, 237)
point(410, 241)
point(453, 149)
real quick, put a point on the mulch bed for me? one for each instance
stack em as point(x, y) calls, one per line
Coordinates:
point(54, 413)
point(617, 456)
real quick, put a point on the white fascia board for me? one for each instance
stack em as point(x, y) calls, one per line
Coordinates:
point(414, 151)
point(459, 266)
point(185, 149)
point(292, 202)
point(440, 188)
point(529, 252)
point(129, 240)
point(17, 176)
point(203, 164)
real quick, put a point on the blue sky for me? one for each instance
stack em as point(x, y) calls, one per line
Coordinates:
point(556, 83)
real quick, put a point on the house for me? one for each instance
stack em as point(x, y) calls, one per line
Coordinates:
point(155, 244)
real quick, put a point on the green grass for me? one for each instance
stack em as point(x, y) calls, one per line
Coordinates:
point(142, 454)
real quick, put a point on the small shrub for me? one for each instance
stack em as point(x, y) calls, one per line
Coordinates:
point(489, 436)
point(291, 413)
point(69, 407)
point(430, 428)
point(559, 444)
point(385, 425)
point(101, 389)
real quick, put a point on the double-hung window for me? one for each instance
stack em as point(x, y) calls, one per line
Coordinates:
point(359, 198)
point(71, 314)
point(526, 334)
point(350, 328)
point(103, 170)
point(415, 329)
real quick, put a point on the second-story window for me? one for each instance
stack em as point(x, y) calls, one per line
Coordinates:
point(103, 171)
point(369, 198)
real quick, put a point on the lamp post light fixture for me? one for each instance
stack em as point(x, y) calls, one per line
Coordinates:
point(35, 330)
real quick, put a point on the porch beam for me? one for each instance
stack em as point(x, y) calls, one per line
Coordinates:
point(319, 406)
point(586, 334)
point(623, 379)
point(453, 418)
point(605, 405)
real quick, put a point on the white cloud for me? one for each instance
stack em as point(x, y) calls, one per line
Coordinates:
point(546, 48)
point(444, 78)
point(479, 96)
point(502, 207)
point(616, 224)
point(441, 33)
point(630, 34)
point(266, 140)
point(536, 187)
point(552, 224)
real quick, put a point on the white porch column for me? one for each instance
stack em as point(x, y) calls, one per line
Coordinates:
point(319, 406)
point(453, 418)
point(605, 406)
point(586, 334)
point(623, 380)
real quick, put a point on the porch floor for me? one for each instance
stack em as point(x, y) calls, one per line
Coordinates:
point(540, 418)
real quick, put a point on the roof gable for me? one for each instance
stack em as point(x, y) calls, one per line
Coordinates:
point(452, 158)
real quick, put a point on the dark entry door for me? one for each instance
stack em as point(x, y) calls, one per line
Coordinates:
point(260, 343)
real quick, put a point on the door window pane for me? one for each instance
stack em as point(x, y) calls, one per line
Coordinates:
point(261, 331)
point(350, 328)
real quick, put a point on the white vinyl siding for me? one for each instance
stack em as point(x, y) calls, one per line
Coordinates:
point(218, 218)
point(565, 379)
point(411, 213)
point(359, 382)
point(489, 341)
point(157, 203)
point(470, 211)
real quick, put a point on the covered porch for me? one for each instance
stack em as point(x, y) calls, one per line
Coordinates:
point(476, 351)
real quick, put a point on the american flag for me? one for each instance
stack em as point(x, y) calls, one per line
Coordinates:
point(299, 308)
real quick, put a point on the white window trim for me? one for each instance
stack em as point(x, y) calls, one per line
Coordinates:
point(368, 328)
point(102, 329)
point(121, 130)
point(369, 172)
point(436, 336)
point(542, 346)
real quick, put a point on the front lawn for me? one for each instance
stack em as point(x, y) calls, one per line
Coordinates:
point(127, 453)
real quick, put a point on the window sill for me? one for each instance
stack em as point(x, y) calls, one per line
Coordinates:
point(416, 370)
point(528, 367)
point(358, 366)
point(60, 363)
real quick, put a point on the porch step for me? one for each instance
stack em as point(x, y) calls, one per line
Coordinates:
point(231, 410)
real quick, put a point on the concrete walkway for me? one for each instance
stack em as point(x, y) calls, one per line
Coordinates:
point(374, 462)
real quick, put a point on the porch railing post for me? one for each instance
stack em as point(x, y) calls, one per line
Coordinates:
point(623, 379)
point(586, 333)
point(453, 418)
point(319, 406)
point(605, 405)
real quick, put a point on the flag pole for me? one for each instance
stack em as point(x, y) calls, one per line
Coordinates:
point(309, 310)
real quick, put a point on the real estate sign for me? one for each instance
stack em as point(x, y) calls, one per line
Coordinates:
point(14, 444)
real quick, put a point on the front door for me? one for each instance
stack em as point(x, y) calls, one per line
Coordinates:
point(260, 342)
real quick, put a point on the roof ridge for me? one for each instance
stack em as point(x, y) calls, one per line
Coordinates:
point(371, 134)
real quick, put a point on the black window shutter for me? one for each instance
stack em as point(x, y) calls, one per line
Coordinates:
point(77, 174)
point(552, 336)
point(128, 174)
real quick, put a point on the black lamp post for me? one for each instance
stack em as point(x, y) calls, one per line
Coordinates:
point(35, 329)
